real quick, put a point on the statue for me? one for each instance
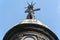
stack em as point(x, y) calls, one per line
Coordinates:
point(30, 11)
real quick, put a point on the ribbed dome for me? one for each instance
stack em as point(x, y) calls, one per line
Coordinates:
point(30, 28)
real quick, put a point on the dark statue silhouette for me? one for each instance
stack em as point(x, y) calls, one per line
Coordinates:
point(30, 11)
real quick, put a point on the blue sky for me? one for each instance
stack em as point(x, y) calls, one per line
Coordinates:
point(12, 12)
